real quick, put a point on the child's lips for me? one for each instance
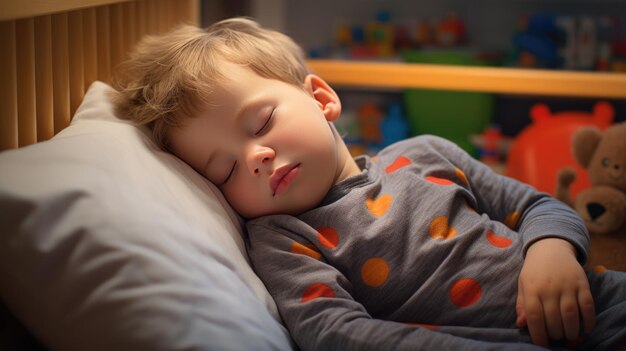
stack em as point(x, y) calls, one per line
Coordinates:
point(282, 178)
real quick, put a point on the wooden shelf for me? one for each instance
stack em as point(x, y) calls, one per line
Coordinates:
point(481, 79)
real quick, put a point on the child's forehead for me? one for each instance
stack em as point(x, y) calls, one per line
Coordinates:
point(230, 89)
point(231, 82)
point(229, 78)
point(237, 78)
point(230, 70)
point(218, 81)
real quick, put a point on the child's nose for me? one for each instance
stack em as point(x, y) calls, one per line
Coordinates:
point(260, 160)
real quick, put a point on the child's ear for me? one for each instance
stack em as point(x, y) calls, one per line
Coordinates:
point(324, 95)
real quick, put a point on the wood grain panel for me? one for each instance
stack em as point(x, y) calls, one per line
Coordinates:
point(90, 47)
point(60, 71)
point(103, 33)
point(76, 59)
point(8, 87)
point(26, 93)
point(43, 77)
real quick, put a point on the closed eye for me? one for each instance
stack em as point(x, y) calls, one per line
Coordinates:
point(230, 174)
point(267, 123)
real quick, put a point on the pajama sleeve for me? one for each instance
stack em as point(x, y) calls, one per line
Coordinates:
point(533, 214)
point(315, 301)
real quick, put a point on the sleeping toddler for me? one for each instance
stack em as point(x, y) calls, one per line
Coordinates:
point(419, 247)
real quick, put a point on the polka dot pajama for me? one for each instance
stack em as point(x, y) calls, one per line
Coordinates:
point(422, 250)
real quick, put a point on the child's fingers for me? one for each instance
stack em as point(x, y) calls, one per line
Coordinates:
point(553, 320)
point(535, 319)
point(587, 309)
point(570, 315)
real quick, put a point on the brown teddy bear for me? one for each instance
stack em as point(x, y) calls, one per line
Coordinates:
point(602, 206)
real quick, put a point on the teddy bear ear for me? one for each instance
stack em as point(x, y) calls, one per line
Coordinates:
point(584, 143)
point(603, 113)
point(540, 112)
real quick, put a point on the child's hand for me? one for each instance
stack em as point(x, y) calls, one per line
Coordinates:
point(553, 293)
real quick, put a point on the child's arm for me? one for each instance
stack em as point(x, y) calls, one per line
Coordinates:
point(552, 284)
point(316, 303)
point(554, 293)
point(533, 214)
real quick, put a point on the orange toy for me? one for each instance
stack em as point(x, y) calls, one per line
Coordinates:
point(544, 147)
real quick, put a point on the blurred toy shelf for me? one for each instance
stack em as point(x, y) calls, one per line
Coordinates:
point(372, 74)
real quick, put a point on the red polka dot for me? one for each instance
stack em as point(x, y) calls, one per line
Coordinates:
point(317, 290)
point(397, 164)
point(465, 292)
point(440, 181)
point(328, 237)
point(498, 241)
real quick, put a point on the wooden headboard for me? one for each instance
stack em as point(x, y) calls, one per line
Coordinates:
point(52, 50)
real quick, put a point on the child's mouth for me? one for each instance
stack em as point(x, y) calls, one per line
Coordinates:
point(283, 177)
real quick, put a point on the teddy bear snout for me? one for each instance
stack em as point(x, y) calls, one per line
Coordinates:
point(595, 210)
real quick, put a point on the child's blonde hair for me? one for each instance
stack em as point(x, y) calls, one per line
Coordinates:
point(169, 77)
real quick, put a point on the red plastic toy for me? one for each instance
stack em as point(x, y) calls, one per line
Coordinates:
point(544, 147)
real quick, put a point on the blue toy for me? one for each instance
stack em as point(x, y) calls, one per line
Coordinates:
point(541, 37)
point(394, 127)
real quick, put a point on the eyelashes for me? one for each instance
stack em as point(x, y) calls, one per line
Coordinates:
point(230, 174)
point(267, 123)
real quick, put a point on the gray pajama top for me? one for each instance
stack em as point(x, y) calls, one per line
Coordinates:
point(421, 250)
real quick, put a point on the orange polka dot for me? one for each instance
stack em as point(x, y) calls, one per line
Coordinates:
point(328, 237)
point(459, 174)
point(439, 228)
point(422, 325)
point(440, 181)
point(379, 206)
point(498, 241)
point(599, 269)
point(465, 292)
point(512, 219)
point(375, 272)
point(400, 162)
point(298, 248)
point(317, 290)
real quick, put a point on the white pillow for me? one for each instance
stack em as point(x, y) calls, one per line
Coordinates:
point(109, 243)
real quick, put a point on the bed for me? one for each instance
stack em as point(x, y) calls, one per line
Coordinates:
point(109, 243)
